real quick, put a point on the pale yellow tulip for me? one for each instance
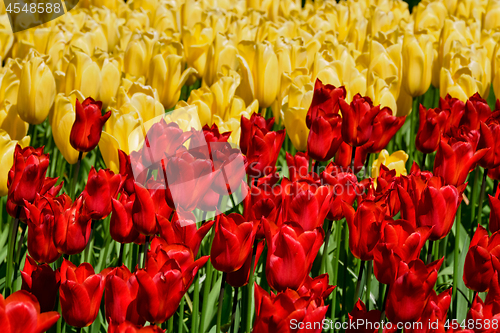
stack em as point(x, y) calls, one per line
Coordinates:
point(197, 42)
point(82, 74)
point(418, 57)
point(7, 147)
point(395, 161)
point(294, 110)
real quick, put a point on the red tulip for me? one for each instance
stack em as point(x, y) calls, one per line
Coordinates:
point(365, 227)
point(120, 298)
point(121, 225)
point(476, 112)
point(344, 187)
point(102, 186)
point(370, 319)
point(240, 277)
point(20, 312)
point(317, 288)
point(434, 316)
point(456, 109)
point(298, 166)
point(202, 141)
point(264, 199)
point(431, 126)
point(385, 126)
point(494, 224)
point(343, 157)
point(169, 273)
point(232, 243)
point(232, 164)
point(481, 261)
point(41, 227)
point(72, 228)
point(411, 291)
point(27, 175)
point(127, 327)
point(358, 120)
point(87, 128)
point(286, 312)
point(399, 242)
point(290, 255)
point(126, 171)
point(457, 156)
point(305, 203)
point(42, 282)
point(80, 293)
point(247, 129)
point(182, 230)
point(487, 311)
point(489, 136)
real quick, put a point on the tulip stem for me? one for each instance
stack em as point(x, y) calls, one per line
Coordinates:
point(235, 306)
point(368, 284)
point(196, 304)
point(145, 247)
point(413, 123)
point(221, 299)
point(325, 248)
point(89, 245)
point(338, 236)
point(181, 315)
point(367, 164)
point(120, 255)
point(316, 167)
point(481, 198)
point(10, 255)
point(360, 278)
point(423, 161)
point(250, 290)
point(17, 263)
point(353, 157)
point(495, 185)
point(170, 325)
point(456, 258)
point(75, 175)
point(429, 252)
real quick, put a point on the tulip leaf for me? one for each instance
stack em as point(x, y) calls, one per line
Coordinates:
point(462, 303)
point(212, 305)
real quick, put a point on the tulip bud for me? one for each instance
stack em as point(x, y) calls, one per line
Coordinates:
point(418, 56)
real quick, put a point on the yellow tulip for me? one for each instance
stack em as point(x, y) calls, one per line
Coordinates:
point(233, 124)
point(82, 74)
point(418, 57)
point(61, 120)
point(404, 104)
point(138, 53)
point(386, 63)
point(110, 24)
point(259, 73)
point(6, 37)
point(395, 161)
point(89, 37)
point(384, 92)
point(222, 52)
point(492, 16)
point(294, 113)
point(37, 90)
point(197, 42)
point(429, 15)
point(167, 72)
point(110, 76)
point(9, 81)
point(496, 72)
point(7, 147)
point(11, 122)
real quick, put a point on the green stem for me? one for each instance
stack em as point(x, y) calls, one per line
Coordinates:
point(181, 316)
point(250, 291)
point(413, 123)
point(481, 197)
point(196, 304)
point(368, 284)
point(75, 175)
point(233, 312)
point(456, 257)
point(10, 255)
point(325, 248)
point(475, 189)
point(207, 285)
point(221, 299)
point(357, 294)
point(18, 258)
point(338, 236)
point(171, 325)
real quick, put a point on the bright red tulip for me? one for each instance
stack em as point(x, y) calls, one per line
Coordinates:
point(344, 187)
point(494, 224)
point(169, 272)
point(232, 165)
point(120, 298)
point(476, 112)
point(264, 199)
point(240, 277)
point(27, 175)
point(249, 126)
point(87, 128)
point(317, 288)
point(431, 126)
point(298, 166)
point(385, 126)
point(399, 242)
point(358, 120)
point(42, 282)
point(482, 260)
point(456, 109)
point(102, 186)
point(127, 327)
point(409, 294)
point(128, 177)
point(290, 255)
point(457, 156)
point(72, 228)
point(80, 293)
point(434, 316)
point(370, 320)
point(487, 311)
point(365, 227)
point(203, 141)
point(233, 241)
point(325, 101)
point(121, 225)
point(20, 312)
point(286, 312)
point(489, 136)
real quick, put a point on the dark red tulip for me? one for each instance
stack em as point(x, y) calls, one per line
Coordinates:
point(456, 109)
point(307, 204)
point(202, 141)
point(476, 112)
point(42, 282)
point(434, 316)
point(231, 164)
point(87, 128)
point(325, 101)
point(20, 312)
point(41, 227)
point(494, 224)
point(431, 126)
point(240, 277)
point(370, 320)
point(286, 312)
point(494, 173)
point(260, 144)
point(358, 120)
point(127, 327)
point(317, 288)
point(233, 241)
point(120, 298)
point(72, 228)
point(409, 294)
point(298, 166)
point(27, 174)
point(344, 187)
point(80, 293)
point(385, 126)
point(169, 273)
point(126, 172)
point(399, 242)
point(182, 230)
point(365, 227)
point(121, 225)
point(481, 261)
point(489, 310)
point(457, 156)
point(489, 136)
point(102, 186)
point(290, 255)
point(264, 199)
